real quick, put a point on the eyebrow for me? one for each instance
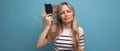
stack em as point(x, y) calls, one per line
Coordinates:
point(66, 10)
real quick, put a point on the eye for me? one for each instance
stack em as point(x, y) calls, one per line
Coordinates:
point(68, 11)
point(62, 12)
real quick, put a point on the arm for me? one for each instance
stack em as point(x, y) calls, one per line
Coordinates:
point(81, 39)
point(81, 49)
point(42, 37)
point(41, 41)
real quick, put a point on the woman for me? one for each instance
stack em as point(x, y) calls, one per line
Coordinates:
point(65, 34)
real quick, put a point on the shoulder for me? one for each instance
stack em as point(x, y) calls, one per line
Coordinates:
point(81, 31)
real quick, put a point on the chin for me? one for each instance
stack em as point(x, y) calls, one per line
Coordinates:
point(67, 21)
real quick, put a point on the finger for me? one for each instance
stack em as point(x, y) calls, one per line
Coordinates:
point(52, 21)
point(50, 17)
point(49, 14)
point(46, 16)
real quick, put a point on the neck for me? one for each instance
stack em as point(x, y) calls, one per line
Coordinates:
point(67, 25)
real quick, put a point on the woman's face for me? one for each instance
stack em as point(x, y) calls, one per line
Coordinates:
point(66, 14)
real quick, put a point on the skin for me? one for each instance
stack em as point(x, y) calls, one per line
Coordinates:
point(66, 16)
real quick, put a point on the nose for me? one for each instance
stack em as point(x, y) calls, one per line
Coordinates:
point(66, 13)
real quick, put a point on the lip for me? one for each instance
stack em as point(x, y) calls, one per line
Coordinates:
point(66, 18)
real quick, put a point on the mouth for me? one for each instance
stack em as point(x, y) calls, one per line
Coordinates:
point(66, 18)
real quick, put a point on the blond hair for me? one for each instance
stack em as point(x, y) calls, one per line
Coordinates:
point(59, 29)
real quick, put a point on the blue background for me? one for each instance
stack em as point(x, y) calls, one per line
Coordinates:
point(20, 24)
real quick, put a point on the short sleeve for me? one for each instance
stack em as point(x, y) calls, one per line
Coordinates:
point(81, 37)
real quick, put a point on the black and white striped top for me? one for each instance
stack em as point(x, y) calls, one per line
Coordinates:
point(64, 41)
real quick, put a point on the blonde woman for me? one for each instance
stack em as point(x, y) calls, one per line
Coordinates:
point(65, 34)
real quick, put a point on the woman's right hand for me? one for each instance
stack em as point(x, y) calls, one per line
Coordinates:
point(48, 19)
point(42, 39)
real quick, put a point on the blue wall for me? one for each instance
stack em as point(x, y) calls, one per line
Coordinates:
point(20, 24)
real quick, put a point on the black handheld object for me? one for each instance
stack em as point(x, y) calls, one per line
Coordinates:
point(48, 8)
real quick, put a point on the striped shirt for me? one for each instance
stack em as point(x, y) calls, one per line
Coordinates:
point(64, 41)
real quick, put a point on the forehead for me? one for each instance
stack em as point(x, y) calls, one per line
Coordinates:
point(65, 7)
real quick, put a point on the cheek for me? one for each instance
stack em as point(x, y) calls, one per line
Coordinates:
point(71, 16)
point(62, 16)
